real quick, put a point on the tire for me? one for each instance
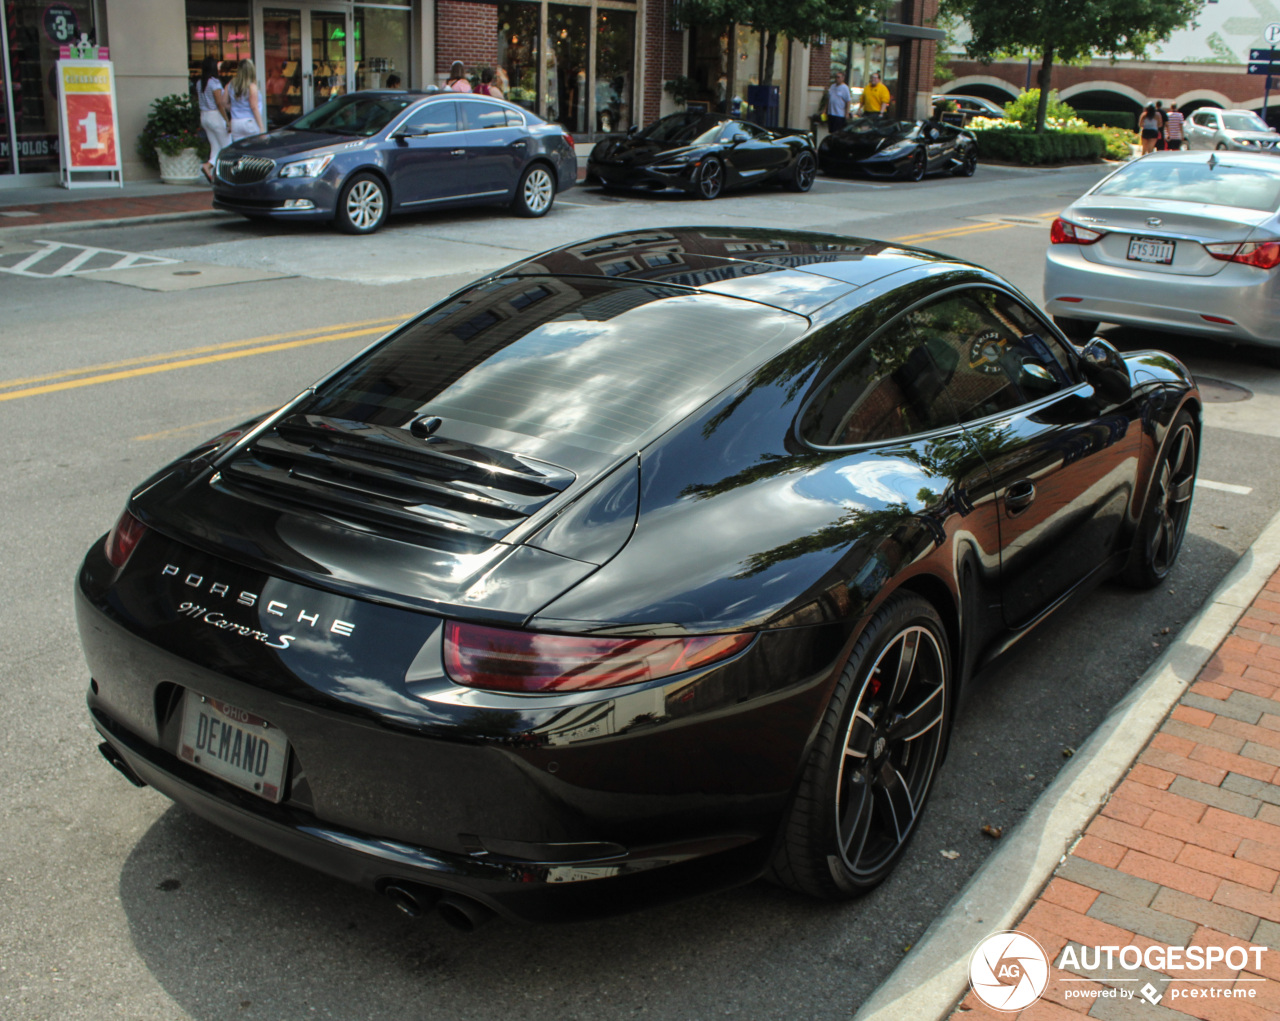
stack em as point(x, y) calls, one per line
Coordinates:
point(803, 172)
point(1221, 147)
point(362, 205)
point(710, 179)
point(1076, 329)
point(878, 746)
point(919, 164)
point(535, 193)
point(968, 164)
point(1164, 519)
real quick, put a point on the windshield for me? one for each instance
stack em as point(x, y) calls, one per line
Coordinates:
point(353, 115)
point(889, 129)
point(1218, 183)
point(1243, 122)
point(589, 362)
point(686, 128)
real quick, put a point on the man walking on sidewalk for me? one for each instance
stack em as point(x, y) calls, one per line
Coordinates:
point(838, 99)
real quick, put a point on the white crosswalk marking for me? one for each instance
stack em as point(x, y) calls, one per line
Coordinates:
point(52, 260)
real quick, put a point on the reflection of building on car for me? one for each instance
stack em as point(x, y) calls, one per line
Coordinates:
point(704, 154)
point(902, 149)
point(647, 566)
point(1182, 241)
point(361, 157)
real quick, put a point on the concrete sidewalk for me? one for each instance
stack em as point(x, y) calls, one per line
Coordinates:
point(1184, 853)
point(41, 206)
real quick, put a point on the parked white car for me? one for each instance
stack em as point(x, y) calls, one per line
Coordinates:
point(1241, 130)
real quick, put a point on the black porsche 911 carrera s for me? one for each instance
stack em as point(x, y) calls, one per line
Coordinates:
point(648, 566)
point(704, 154)
point(907, 150)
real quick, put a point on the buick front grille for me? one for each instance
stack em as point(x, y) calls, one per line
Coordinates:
point(244, 169)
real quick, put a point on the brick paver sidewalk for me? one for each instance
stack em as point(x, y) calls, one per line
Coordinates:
point(103, 207)
point(1186, 853)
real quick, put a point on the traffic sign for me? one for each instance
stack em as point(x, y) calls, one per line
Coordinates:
point(1264, 68)
point(1264, 55)
point(1272, 34)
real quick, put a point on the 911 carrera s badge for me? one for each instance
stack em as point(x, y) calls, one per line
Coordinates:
point(292, 614)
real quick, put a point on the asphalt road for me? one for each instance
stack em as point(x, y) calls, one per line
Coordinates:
point(118, 905)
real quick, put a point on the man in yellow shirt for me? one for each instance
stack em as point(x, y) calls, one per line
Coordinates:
point(876, 98)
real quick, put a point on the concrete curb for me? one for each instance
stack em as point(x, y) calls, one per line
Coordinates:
point(932, 978)
point(18, 231)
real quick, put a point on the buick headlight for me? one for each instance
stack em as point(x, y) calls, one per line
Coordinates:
point(313, 167)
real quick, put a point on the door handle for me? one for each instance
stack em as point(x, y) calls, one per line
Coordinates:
point(458, 152)
point(1019, 496)
point(519, 145)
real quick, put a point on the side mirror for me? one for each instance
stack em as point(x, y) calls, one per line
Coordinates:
point(402, 133)
point(1106, 370)
point(740, 136)
point(633, 130)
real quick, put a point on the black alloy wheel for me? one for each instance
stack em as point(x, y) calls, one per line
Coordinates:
point(1164, 521)
point(917, 167)
point(710, 178)
point(363, 204)
point(880, 742)
point(968, 164)
point(1076, 329)
point(803, 172)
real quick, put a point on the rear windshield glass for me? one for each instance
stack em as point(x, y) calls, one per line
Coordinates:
point(353, 115)
point(1219, 185)
point(593, 363)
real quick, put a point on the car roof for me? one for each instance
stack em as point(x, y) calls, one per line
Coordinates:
point(798, 271)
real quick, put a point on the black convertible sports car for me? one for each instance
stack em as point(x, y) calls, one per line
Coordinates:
point(705, 154)
point(902, 149)
point(648, 566)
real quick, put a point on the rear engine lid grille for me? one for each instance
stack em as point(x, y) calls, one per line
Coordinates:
point(434, 492)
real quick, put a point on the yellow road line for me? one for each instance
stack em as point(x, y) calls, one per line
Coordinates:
point(955, 232)
point(189, 352)
point(186, 363)
point(224, 420)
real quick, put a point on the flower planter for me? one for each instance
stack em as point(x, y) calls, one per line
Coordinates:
point(180, 169)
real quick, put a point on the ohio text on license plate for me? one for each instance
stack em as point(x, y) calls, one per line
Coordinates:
point(1151, 250)
point(235, 745)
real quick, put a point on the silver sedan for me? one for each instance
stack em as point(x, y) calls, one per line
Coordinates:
point(1181, 241)
point(1244, 130)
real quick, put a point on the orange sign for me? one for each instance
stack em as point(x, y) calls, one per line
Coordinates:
point(86, 89)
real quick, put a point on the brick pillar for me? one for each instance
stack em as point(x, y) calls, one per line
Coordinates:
point(662, 60)
point(466, 32)
point(915, 74)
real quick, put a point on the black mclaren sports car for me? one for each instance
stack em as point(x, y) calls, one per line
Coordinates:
point(704, 155)
point(648, 566)
point(903, 149)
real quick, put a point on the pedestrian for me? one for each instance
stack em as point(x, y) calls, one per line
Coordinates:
point(876, 98)
point(246, 109)
point(215, 113)
point(393, 81)
point(1173, 127)
point(1149, 128)
point(487, 85)
point(838, 99)
point(1161, 141)
point(456, 81)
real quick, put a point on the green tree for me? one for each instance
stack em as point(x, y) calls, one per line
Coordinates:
point(1068, 30)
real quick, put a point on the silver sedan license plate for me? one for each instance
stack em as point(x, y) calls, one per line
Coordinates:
point(234, 744)
point(1151, 250)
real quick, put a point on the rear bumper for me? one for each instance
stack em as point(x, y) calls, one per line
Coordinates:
point(1248, 297)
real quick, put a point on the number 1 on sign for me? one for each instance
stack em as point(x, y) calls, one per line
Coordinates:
point(90, 125)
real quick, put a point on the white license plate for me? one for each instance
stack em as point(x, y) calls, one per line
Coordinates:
point(1151, 250)
point(233, 744)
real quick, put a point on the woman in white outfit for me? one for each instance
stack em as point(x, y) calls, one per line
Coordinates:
point(246, 109)
point(215, 112)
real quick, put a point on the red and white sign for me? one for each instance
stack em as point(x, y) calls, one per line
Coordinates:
point(87, 110)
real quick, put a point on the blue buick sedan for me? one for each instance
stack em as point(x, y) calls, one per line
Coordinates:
point(363, 156)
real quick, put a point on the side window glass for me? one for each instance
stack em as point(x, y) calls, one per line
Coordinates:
point(483, 115)
point(514, 120)
point(432, 118)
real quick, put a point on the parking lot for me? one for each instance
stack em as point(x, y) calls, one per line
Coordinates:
point(120, 905)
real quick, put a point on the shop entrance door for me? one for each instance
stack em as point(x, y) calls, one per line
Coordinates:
point(304, 58)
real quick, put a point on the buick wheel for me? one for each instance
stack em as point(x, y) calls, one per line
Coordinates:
point(880, 742)
point(803, 173)
point(710, 179)
point(362, 206)
point(535, 193)
point(1164, 521)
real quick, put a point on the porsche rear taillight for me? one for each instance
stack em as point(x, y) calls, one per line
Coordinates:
point(524, 661)
point(1263, 254)
point(123, 538)
point(1064, 232)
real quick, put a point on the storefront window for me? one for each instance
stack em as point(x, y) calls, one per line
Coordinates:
point(37, 30)
point(382, 47)
point(518, 33)
point(568, 36)
point(282, 66)
point(615, 55)
point(328, 56)
point(762, 61)
point(218, 29)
